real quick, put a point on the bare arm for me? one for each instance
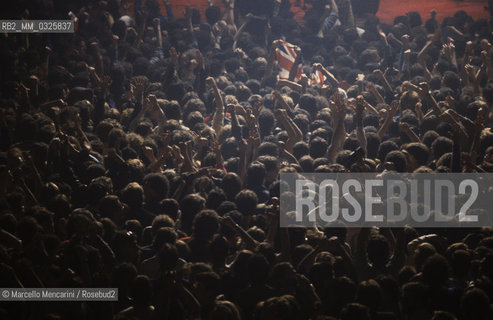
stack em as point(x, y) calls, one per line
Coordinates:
point(293, 85)
point(404, 127)
point(360, 133)
point(248, 17)
point(388, 119)
point(294, 69)
point(338, 115)
point(383, 79)
point(218, 118)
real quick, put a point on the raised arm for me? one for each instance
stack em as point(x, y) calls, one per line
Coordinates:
point(218, 118)
point(330, 77)
point(360, 133)
point(338, 114)
point(388, 119)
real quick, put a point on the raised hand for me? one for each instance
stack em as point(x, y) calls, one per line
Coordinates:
point(230, 108)
point(187, 13)
point(176, 151)
point(210, 82)
point(139, 84)
point(153, 101)
point(359, 105)
point(257, 107)
point(243, 146)
point(317, 66)
point(394, 109)
point(403, 126)
point(149, 154)
point(251, 119)
point(174, 56)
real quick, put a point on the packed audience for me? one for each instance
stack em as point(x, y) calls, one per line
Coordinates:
point(143, 153)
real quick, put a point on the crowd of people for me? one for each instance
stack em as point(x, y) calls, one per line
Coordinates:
point(143, 152)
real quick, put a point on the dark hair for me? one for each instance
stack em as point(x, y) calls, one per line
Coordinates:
point(419, 151)
point(318, 147)
point(386, 147)
point(190, 205)
point(255, 174)
point(355, 311)
point(133, 195)
point(440, 146)
point(158, 183)
point(205, 224)
point(247, 201)
point(231, 184)
point(378, 250)
point(141, 291)
point(258, 269)
point(399, 160)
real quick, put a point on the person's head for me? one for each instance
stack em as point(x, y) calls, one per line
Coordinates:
point(255, 174)
point(190, 205)
point(265, 122)
point(302, 121)
point(168, 257)
point(414, 299)
point(212, 14)
point(306, 163)
point(418, 154)
point(193, 118)
point(283, 307)
point(172, 110)
point(409, 100)
point(309, 103)
point(161, 221)
point(475, 304)
point(372, 144)
point(441, 146)
point(429, 137)
point(156, 187)
point(169, 207)
point(386, 147)
point(398, 158)
point(258, 269)
point(378, 250)
point(164, 235)
point(423, 252)
point(125, 247)
point(318, 147)
point(435, 270)
point(122, 276)
point(443, 315)
point(141, 291)
point(219, 248)
point(231, 185)
point(205, 224)
point(268, 148)
point(246, 200)
point(451, 80)
point(300, 149)
point(370, 295)
point(133, 195)
point(271, 168)
point(355, 311)
point(215, 197)
point(460, 262)
point(224, 310)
